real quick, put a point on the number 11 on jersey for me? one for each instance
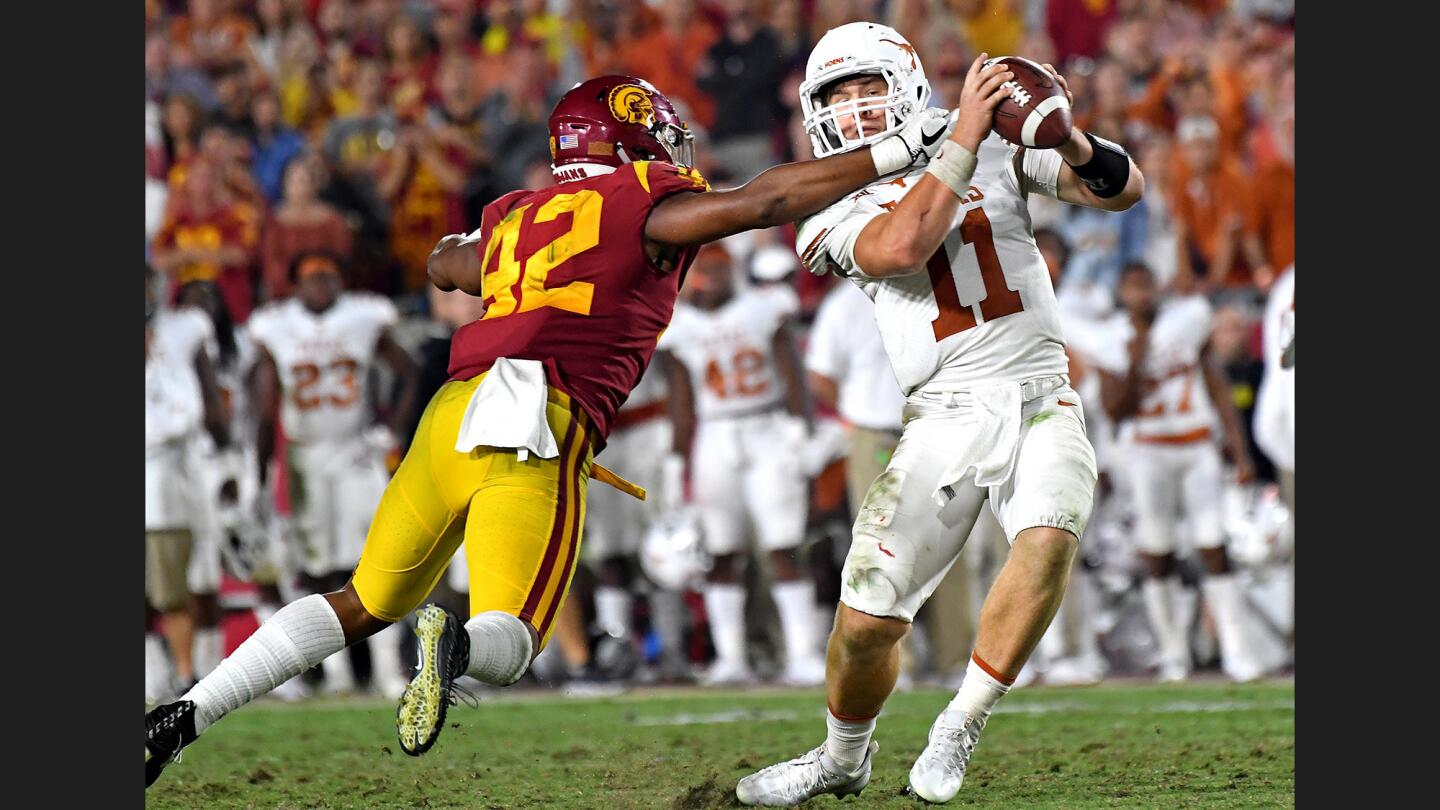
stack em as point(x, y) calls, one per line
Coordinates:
point(999, 301)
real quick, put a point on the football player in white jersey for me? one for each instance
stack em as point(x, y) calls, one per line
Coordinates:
point(182, 404)
point(314, 354)
point(219, 473)
point(751, 420)
point(968, 316)
point(1158, 376)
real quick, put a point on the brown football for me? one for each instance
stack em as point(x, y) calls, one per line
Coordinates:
point(1036, 114)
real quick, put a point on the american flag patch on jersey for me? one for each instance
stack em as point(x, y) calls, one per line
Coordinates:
point(569, 141)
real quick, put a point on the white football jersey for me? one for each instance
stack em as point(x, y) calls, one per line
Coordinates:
point(173, 403)
point(982, 310)
point(1175, 404)
point(729, 351)
point(234, 395)
point(324, 361)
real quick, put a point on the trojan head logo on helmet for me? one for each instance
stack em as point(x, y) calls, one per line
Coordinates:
point(850, 51)
point(604, 123)
point(630, 104)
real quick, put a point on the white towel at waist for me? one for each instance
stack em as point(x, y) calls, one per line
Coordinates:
point(507, 410)
point(994, 439)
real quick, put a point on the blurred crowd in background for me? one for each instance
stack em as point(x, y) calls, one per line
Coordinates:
point(370, 128)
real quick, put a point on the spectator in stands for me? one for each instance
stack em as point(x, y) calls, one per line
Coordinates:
point(205, 238)
point(274, 145)
point(354, 142)
point(1077, 27)
point(669, 52)
point(991, 26)
point(1270, 236)
point(1209, 198)
point(514, 117)
point(180, 129)
point(232, 89)
point(410, 68)
point(301, 223)
point(421, 179)
point(740, 72)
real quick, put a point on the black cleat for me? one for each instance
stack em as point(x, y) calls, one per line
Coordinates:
point(444, 656)
point(168, 729)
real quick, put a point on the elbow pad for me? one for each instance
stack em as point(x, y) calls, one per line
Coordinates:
point(1108, 170)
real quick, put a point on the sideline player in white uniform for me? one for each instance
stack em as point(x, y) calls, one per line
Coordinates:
point(968, 317)
point(314, 354)
point(751, 416)
point(182, 403)
point(219, 473)
point(1157, 374)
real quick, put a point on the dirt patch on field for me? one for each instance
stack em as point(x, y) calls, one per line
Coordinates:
point(708, 795)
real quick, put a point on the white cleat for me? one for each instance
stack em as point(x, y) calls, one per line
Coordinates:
point(1172, 672)
point(804, 672)
point(790, 783)
point(937, 775)
point(729, 673)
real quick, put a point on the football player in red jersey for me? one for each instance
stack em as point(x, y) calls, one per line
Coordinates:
point(579, 280)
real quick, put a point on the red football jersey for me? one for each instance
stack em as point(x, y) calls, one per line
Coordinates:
point(567, 282)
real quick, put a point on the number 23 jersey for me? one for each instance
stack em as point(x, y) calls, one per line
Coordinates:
point(982, 308)
point(324, 361)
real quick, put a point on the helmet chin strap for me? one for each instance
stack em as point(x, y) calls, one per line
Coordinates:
point(579, 171)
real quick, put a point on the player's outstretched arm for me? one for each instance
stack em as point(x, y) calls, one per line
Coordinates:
point(791, 191)
point(898, 242)
point(1096, 172)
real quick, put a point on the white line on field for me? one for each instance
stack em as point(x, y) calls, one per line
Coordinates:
point(1056, 707)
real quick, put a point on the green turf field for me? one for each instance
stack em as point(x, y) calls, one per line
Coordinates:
point(1205, 745)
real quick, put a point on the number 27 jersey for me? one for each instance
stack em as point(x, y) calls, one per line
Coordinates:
point(982, 309)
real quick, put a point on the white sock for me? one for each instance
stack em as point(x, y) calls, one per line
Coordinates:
point(158, 671)
point(978, 693)
point(824, 623)
point(725, 607)
point(1162, 598)
point(612, 610)
point(339, 673)
point(299, 636)
point(205, 651)
point(265, 610)
point(846, 740)
point(796, 603)
point(1227, 606)
point(385, 653)
point(667, 614)
point(500, 648)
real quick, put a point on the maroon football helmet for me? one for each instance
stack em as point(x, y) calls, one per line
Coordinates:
point(614, 120)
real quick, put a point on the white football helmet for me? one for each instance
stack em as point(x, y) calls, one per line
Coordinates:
point(861, 49)
point(1258, 525)
point(672, 553)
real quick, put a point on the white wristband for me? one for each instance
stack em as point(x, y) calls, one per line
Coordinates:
point(953, 166)
point(890, 155)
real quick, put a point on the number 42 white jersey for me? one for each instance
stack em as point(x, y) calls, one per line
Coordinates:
point(729, 350)
point(982, 309)
point(324, 361)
